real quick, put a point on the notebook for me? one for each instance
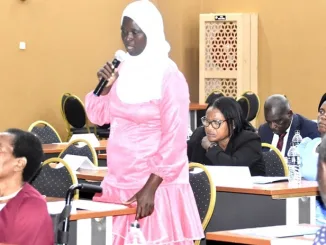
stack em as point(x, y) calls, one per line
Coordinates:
point(267, 180)
point(230, 175)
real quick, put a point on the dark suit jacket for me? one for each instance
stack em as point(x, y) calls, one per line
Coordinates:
point(242, 150)
point(307, 128)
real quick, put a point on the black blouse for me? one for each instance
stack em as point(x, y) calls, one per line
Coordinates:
point(244, 149)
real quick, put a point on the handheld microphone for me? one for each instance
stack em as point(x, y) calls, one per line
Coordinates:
point(119, 57)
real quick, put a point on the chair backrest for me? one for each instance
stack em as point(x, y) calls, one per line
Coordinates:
point(80, 147)
point(254, 104)
point(45, 131)
point(204, 191)
point(62, 102)
point(214, 96)
point(275, 164)
point(52, 181)
point(245, 106)
point(74, 111)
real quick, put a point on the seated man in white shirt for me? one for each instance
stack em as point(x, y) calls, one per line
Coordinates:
point(281, 124)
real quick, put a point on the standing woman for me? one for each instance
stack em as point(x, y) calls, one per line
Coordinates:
point(147, 105)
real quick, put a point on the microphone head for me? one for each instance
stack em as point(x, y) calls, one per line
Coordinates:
point(120, 55)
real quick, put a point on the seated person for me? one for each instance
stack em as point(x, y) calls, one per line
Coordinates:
point(308, 150)
point(209, 101)
point(24, 218)
point(281, 124)
point(227, 139)
point(321, 234)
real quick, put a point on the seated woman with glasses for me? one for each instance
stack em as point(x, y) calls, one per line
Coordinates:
point(308, 150)
point(199, 132)
point(227, 139)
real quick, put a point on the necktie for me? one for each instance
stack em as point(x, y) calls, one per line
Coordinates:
point(280, 141)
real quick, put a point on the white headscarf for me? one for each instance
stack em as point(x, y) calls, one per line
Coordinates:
point(141, 76)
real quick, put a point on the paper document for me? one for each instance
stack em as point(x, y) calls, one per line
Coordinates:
point(267, 180)
point(79, 162)
point(97, 206)
point(58, 206)
point(278, 231)
point(230, 176)
point(91, 138)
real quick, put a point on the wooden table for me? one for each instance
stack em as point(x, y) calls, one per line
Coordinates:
point(93, 227)
point(57, 148)
point(102, 156)
point(93, 175)
point(230, 237)
point(196, 106)
point(262, 205)
point(279, 190)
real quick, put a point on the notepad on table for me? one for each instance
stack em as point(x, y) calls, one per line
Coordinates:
point(267, 180)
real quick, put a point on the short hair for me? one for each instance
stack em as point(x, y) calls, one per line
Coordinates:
point(212, 97)
point(322, 151)
point(233, 115)
point(28, 145)
point(322, 100)
point(279, 102)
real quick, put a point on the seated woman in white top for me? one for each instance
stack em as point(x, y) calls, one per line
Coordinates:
point(309, 157)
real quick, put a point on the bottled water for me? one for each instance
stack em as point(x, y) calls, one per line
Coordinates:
point(291, 163)
point(135, 236)
point(294, 161)
point(297, 138)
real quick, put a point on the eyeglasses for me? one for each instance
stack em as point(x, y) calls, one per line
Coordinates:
point(321, 112)
point(215, 123)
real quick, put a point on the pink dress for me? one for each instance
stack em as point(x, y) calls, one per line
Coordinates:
point(150, 138)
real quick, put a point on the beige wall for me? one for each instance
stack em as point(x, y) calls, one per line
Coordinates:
point(67, 41)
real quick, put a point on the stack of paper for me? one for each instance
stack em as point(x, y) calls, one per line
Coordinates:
point(267, 180)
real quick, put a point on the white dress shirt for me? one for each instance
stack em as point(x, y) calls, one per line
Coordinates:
point(2, 205)
point(285, 140)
